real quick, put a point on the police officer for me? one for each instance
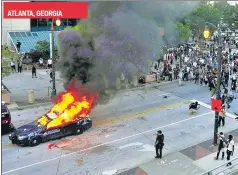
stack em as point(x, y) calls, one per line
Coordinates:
point(159, 143)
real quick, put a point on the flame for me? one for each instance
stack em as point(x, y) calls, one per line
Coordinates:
point(70, 106)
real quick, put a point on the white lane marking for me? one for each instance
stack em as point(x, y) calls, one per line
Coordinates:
point(209, 107)
point(131, 144)
point(103, 144)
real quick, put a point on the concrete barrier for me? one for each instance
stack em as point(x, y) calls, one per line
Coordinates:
point(105, 82)
point(31, 96)
point(150, 78)
point(134, 81)
point(6, 96)
point(126, 83)
point(118, 83)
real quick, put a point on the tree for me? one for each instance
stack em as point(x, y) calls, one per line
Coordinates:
point(7, 56)
point(182, 31)
point(204, 13)
point(35, 55)
point(228, 14)
point(44, 47)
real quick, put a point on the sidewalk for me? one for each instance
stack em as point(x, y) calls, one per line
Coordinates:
point(23, 104)
point(194, 160)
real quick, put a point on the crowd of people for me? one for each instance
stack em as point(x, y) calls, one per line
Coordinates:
point(24, 59)
point(198, 66)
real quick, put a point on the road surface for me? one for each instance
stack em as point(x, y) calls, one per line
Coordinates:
point(122, 136)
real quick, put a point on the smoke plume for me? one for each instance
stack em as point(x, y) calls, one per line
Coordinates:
point(122, 37)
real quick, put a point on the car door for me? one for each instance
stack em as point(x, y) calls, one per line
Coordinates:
point(52, 134)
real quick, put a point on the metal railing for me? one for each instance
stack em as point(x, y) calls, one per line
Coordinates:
point(216, 170)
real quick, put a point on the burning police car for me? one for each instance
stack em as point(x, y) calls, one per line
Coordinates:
point(34, 133)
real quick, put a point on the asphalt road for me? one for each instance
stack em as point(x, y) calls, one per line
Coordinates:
point(122, 136)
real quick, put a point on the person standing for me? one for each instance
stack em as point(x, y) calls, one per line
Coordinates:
point(221, 145)
point(230, 148)
point(41, 62)
point(49, 63)
point(233, 82)
point(18, 44)
point(13, 66)
point(19, 65)
point(196, 76)
point(34, 71)
point(159, 144)
point(222, 114)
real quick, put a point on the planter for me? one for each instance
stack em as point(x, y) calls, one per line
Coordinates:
point(6, 96)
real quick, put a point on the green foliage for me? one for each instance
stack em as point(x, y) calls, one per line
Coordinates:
point(7, 56)
point(6, 70)
point(204, 13)
point(43, 47)
point(10, 55)
point(182, 31)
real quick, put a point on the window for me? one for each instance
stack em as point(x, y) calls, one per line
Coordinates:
point(72, 22)
point(42, 22)
point(64, 22)
point(33, 22)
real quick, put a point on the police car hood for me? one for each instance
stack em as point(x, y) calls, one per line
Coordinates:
point(26, 129)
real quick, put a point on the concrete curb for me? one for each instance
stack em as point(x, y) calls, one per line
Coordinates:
point(14, 107)
point(149, 85)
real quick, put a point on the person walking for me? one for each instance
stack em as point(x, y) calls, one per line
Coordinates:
point(230, 148)
point(221, 146)
point(159, 144)
point(34, 71)
point(222, 114)
point(13, 66)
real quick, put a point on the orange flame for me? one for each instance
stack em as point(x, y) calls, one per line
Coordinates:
point(70, 106)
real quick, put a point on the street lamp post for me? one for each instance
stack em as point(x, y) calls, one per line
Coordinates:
point(218, 84)
point(206, 34)
point(57, 22)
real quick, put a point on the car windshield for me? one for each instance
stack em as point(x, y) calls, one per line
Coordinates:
point(35, 123)
point(45, 119)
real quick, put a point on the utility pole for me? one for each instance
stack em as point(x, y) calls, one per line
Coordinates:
point(218, 83)
point(53, 94)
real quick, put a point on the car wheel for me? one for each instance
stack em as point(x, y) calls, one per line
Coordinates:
point(78, 131)
point(34, 141)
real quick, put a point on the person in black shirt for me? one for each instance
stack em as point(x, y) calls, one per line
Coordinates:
point(33, 71)
point(221, 145)
point(18, 44)
point(159, 144)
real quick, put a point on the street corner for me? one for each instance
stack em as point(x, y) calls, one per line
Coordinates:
point(171, 164)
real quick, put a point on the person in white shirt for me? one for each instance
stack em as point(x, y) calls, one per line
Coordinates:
point(13, 66)
point(49, 63)
point(41, 62)
point(230, 148)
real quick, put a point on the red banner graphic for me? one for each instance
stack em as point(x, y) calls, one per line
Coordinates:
point(48, 10)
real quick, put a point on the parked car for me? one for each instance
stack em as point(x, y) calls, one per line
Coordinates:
point(7, 126)
point(32, 134)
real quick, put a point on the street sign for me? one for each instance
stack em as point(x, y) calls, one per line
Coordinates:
point(216, 105)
